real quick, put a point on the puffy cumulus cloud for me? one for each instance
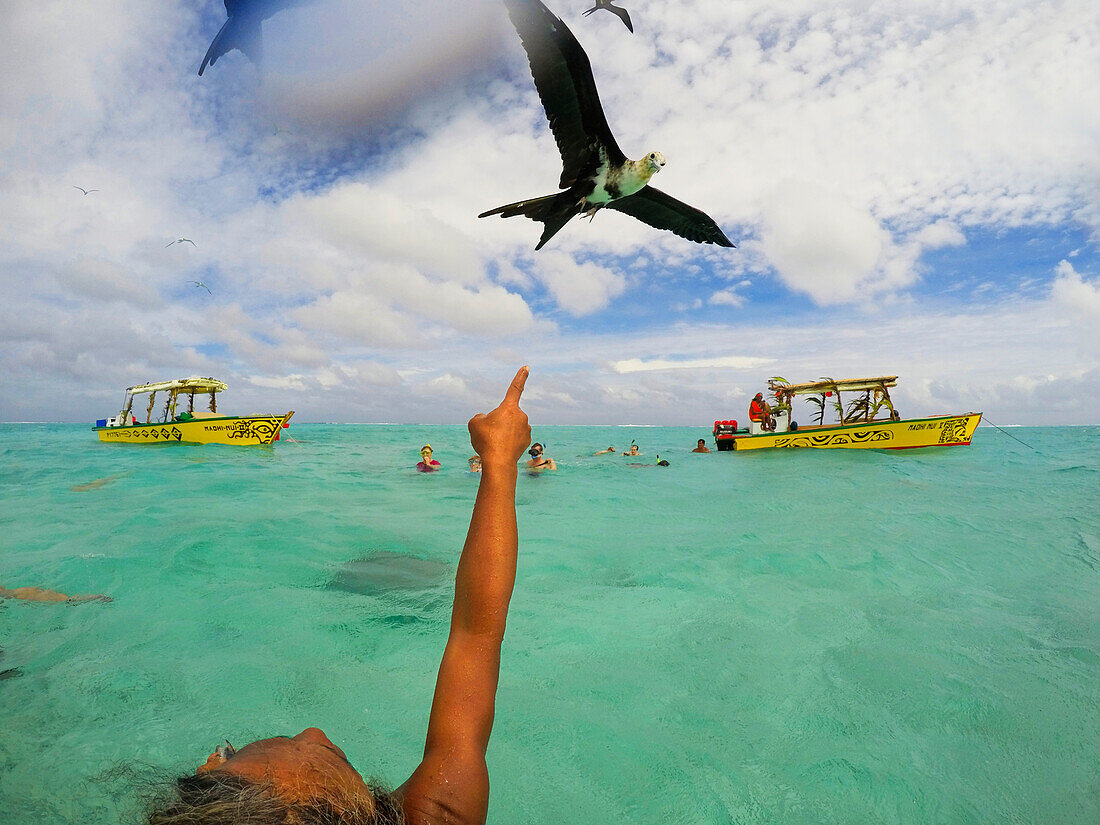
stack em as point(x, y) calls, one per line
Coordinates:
point(449, 386)
point(821, 244)
point(938, 235)
point(357, 220)
point(1078, 298)
point(1074, 292)
point(580, 288)
point(358, 317)
point(726, 297)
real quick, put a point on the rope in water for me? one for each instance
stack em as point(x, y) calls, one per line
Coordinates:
point(1010, 435)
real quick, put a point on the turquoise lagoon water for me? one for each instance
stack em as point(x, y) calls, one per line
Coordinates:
point(781, 637)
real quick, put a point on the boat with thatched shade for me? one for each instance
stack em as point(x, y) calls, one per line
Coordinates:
point(178, 420)
point(867, 421)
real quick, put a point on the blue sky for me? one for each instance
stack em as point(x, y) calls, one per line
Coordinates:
point(914, 188)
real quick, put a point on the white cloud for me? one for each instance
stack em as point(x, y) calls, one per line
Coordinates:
point(726, 297)
point(721, 362)
point(938, 235)
point(578, 288)
point(822, 245)
point(1072, 292)
point(1078, 298)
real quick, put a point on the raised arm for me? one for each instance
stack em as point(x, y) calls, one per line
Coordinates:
point(451, 784)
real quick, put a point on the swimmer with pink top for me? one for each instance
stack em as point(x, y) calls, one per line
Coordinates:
point(427, 465)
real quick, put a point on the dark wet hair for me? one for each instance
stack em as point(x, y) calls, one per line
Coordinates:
point(219, 798)
point(702, 441)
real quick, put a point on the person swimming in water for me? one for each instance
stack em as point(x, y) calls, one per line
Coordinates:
point(308, 779)
point(633, 449)
point(604, 452)
point(701, 447)
point(538, 461)
point(427, 465)
point(38, 594)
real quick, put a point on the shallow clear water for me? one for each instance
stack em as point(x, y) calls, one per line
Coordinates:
point(774, 637)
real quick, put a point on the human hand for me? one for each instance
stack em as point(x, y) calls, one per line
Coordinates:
point(501, 436)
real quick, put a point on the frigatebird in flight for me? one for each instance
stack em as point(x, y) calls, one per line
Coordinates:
point(606, 4)
point(201, 285)
point(243, 28)
point(85, 191)
point(595, 172)
point(180, 240)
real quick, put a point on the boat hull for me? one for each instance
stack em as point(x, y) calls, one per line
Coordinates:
point(240, 430)
point(941, 431)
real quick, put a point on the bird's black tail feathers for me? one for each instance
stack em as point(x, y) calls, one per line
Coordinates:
point(236, 33)
point(553, 211)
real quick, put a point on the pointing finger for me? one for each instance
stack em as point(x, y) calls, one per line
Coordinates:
point(515, 390)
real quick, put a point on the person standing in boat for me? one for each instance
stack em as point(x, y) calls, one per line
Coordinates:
point(307, 778)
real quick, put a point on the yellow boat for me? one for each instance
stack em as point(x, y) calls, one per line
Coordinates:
point(191, 426)
point(868, 421)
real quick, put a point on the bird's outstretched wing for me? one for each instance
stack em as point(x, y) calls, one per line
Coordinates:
point(623, 15)
point(563, 78)
point(661, 211)
point(240, 31)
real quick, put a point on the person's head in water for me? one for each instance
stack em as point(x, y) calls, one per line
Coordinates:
point(426, 453)
point(702, 443)
point(304, 779)
point(633, 449)
point(536, 450)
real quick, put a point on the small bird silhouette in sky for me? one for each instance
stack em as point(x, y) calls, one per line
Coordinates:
point(180, 240)
point(85, 191)
point(200, 284)
point(606, 4)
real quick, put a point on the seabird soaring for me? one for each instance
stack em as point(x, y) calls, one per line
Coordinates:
point(606, 4)
point(85, 191)
point(180, 240)
point(595, 172)
point(242, 28)
point(200, 284)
